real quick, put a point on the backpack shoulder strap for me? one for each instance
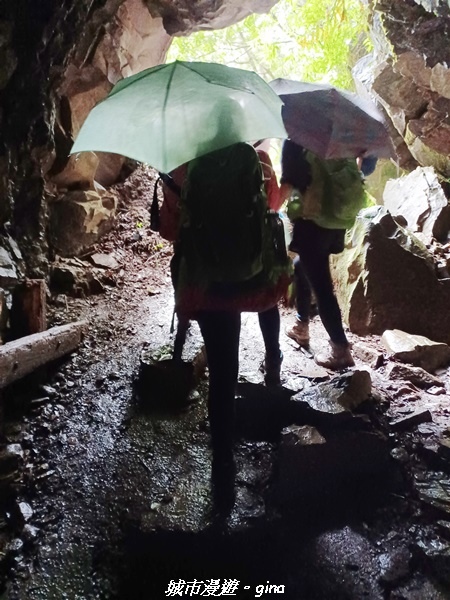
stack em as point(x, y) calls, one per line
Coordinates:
point(155, 221)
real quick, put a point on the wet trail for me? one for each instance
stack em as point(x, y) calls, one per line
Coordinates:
point(121, 494)
point(118, 492)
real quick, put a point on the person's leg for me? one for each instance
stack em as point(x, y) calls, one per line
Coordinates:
point(317, 267)
point(180, 337)
point(302, 291)
point(269, 322)
point(220, 331)
point(316, 262)
point(300, 331)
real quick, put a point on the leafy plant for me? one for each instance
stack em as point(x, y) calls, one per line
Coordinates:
point(310, 40)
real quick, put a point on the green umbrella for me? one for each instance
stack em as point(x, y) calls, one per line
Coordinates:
point(172, 113)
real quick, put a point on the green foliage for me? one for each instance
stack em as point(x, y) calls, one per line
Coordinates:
point(310, 40)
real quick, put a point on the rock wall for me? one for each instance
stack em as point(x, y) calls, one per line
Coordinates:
point(409, 74)
point(182, 17)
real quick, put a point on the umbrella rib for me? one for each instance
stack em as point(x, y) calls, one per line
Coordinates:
point(166, 99)
point(213, 82)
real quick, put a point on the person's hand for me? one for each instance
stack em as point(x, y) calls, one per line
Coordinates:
point(285, 192)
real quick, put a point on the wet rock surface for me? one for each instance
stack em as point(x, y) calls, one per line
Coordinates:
point(106, 494)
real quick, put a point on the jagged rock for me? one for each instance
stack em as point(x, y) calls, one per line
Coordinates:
point(76, 280)
point(104, 260)
point(10, 458)
point(416, 418)
point(416, 349)
point(386, 276)
point(8, 58)
point(434, 551)
point(399, 96)
point(338, 395)
point(309, 463)
point(14, 248)
point(412, 74)
point(368, 354)
point(25, 511)
point(165, 382)
point(420, 199)
point(3, 313)
point(79, 219)
point(83, 88)
point(81, 168)
point(8, 272)
point(415, 375)
point(133, 41)
point(394, 566)
point(262, 412)
point(444, 442)
point(181, 17)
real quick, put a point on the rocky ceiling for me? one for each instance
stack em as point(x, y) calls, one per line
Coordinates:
point(57, 59)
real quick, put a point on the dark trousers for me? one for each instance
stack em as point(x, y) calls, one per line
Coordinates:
point(269, 323)
point(314, 244)
point(221, 333)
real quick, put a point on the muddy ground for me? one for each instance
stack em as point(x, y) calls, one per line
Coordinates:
point(110, 494)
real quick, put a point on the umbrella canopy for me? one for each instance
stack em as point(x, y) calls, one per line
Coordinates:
point(172, 113)
point(330, 122)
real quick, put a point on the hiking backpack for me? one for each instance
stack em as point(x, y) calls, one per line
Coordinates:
point(334, 197)
point(223, 209)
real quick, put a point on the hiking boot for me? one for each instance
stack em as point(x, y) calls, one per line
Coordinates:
point(272, 370)
point(337, 357)
point(299, 333)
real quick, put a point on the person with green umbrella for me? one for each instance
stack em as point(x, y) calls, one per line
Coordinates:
point(186, 112)
point(215, 299)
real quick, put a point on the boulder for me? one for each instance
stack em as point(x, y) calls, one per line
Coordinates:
point(416, 349)
point(340, 394)
point(420, 200)
point(386, 278)
point(79, 219)
point(166, 383)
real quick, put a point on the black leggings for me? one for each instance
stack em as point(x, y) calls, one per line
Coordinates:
point(221, 333)
point(269, 323)
point(314, 245)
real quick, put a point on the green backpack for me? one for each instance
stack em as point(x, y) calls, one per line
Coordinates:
point(334, 197)
point(223, 205)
